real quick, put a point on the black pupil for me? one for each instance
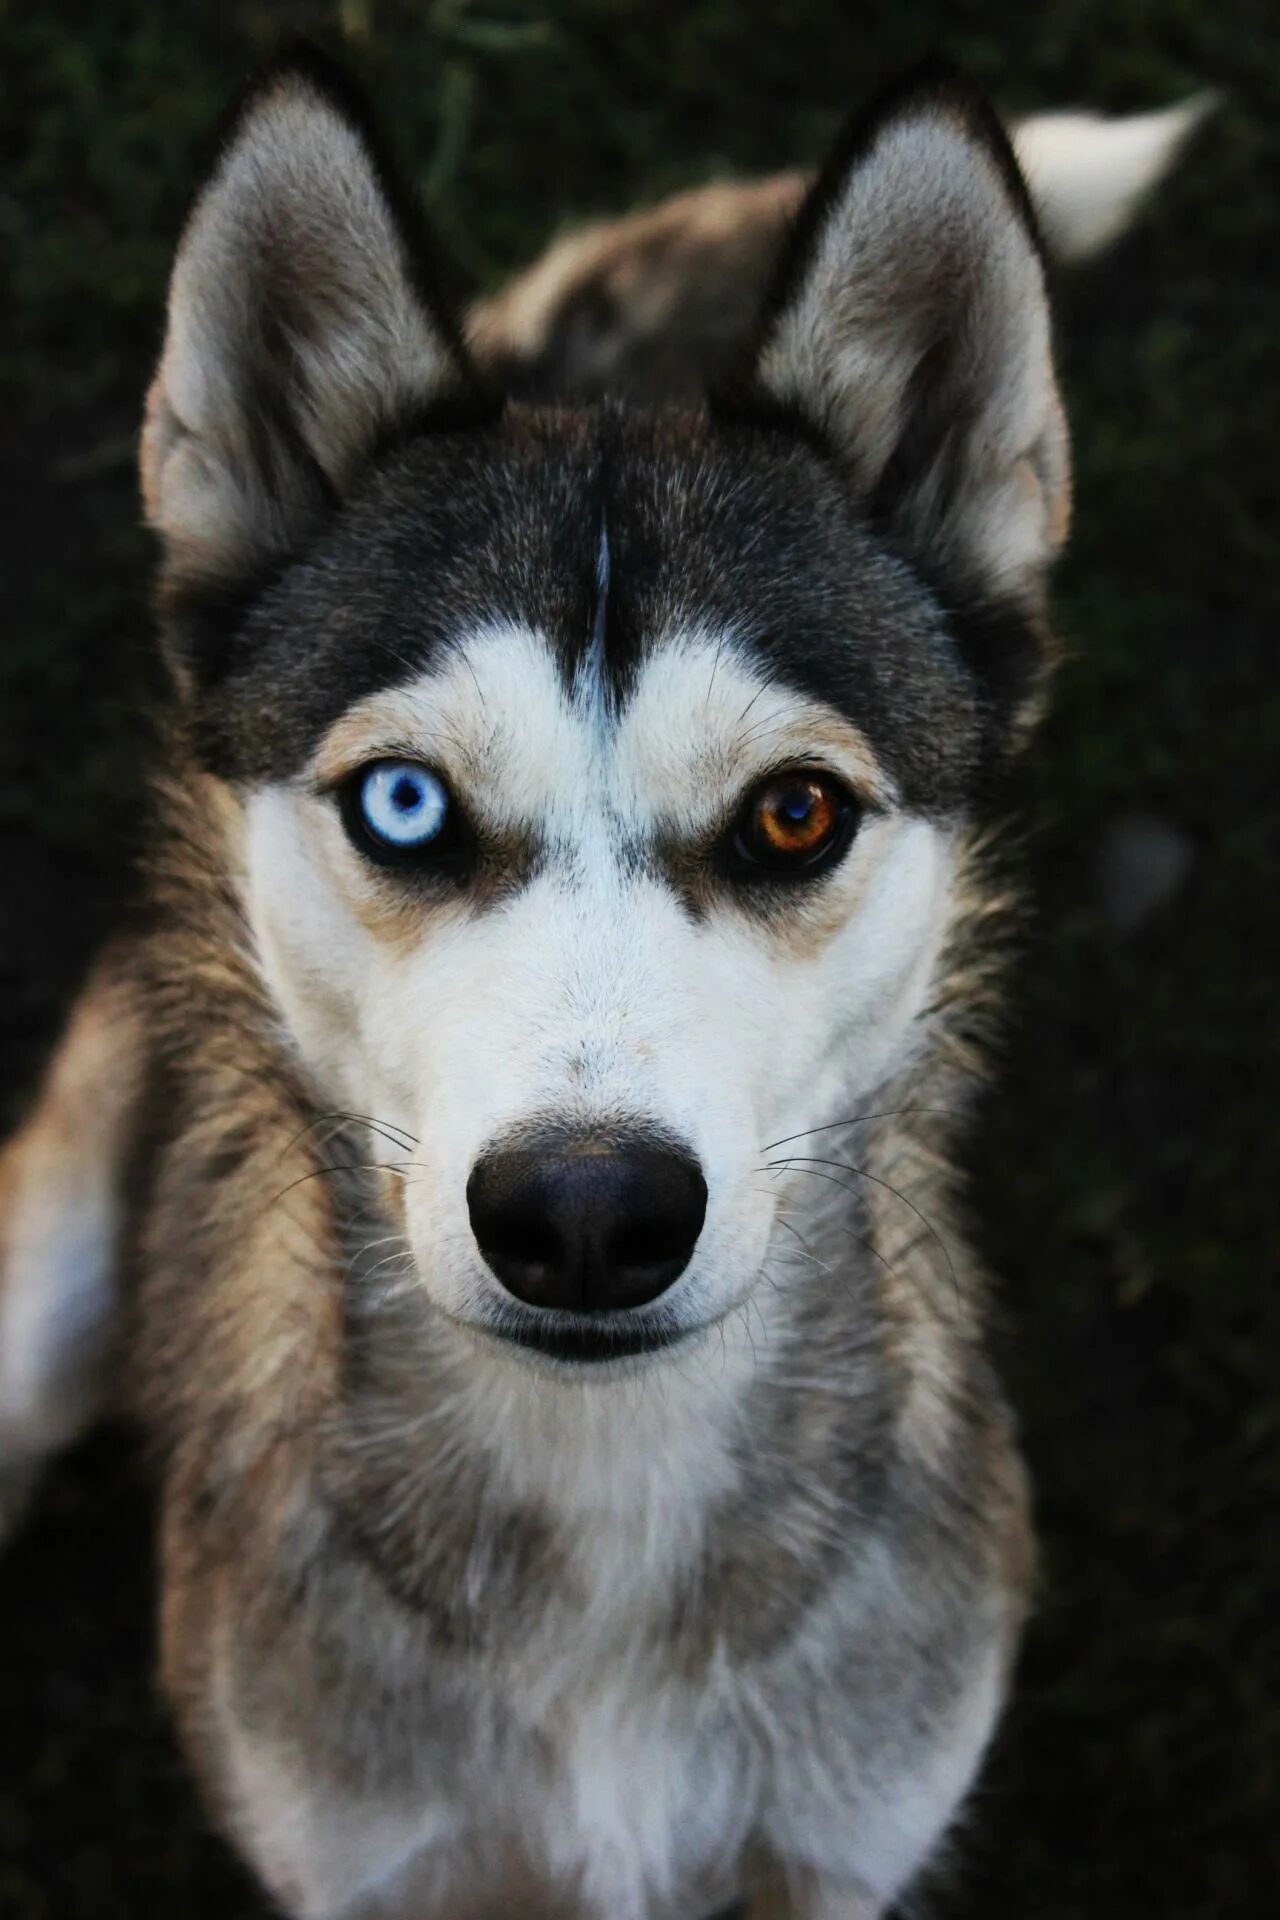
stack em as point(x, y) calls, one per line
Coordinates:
point(405, 795)
point(797, 805)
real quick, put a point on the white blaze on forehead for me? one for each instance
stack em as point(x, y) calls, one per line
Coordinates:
point(495, 717)
point(699, 724)
point(703, 723)
point(590, 687)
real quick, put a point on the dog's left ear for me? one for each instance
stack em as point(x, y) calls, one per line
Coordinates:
point(910, 327)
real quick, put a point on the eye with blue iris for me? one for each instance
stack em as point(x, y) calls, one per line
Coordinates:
point(398, 810)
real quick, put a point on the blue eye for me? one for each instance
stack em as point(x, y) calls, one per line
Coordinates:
point(401, 806)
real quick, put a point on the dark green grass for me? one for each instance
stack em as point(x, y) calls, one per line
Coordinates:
point(1126, 1177)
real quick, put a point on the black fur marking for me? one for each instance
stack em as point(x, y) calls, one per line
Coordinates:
point(204, 622)
point(710, 527)
point(1008, 648)
point(468, 410)
point(738, 403)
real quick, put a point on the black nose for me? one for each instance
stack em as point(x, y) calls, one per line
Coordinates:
point(587, 1225)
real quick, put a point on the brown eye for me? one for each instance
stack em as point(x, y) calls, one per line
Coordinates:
point(795, 822)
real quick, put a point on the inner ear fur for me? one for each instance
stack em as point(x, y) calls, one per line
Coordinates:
point(302, 330)
point(909, 328)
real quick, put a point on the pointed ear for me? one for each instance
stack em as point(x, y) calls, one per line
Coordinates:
point(909, 327)
point(300, 331)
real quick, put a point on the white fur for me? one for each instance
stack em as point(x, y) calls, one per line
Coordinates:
point(590, 993)
point(1088, 175)
point(57, 1299)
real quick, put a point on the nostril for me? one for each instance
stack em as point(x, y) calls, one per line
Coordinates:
point(660, 1222)
point(574, 1227)
point(516, 1232)
point(522, 1234)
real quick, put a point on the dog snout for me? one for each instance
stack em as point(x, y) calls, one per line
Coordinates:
point(586, 1226)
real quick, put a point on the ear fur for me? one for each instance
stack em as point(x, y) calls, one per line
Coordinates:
point(909, 327)
point(300, 331)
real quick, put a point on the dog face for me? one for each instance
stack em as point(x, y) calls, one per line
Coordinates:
point(602, 773)
point(677, 889)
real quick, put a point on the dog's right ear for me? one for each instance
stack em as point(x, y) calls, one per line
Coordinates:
point(300, 332)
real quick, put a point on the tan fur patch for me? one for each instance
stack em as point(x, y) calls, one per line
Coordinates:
point(62, 1181)
point(654, 302)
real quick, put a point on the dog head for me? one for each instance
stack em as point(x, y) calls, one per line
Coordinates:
point(601, 773)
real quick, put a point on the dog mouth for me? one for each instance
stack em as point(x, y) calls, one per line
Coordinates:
point(583, 1342)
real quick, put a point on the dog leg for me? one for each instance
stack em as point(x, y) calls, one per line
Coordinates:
point(61, 1203)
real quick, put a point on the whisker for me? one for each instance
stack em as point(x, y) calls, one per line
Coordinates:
point(825, 1266)
point(351, 1166)
point(856, 1120)
point(715, 668)
point(386, 1128)
point(805, 1254)
point(799, 1159)
point(844, 1227)
point(741, 1312)
point(761, 690)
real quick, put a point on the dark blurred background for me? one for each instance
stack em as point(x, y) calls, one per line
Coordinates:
point(1126, 1176)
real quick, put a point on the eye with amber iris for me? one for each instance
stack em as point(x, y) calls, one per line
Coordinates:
point(793, 825)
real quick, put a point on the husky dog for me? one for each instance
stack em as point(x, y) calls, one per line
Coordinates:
point(511, 1164)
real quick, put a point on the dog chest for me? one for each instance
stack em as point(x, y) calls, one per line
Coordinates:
point(627, 1798)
